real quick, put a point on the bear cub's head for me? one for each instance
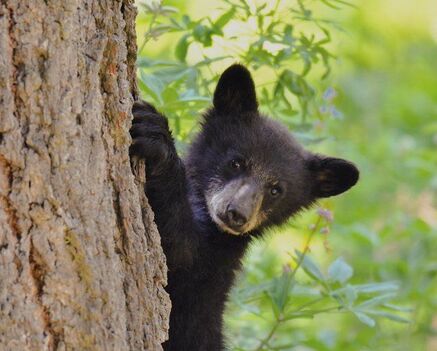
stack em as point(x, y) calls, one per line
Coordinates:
point(248, 170)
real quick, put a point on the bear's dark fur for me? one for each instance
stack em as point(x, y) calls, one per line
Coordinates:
point(243, 173)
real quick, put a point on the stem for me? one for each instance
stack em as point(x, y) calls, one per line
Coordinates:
point(280, 319)
point(148, 33)
point(266, 340)
point(307, 246)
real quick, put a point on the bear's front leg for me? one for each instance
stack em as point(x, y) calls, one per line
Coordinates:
point(152, 140)
point(166, 183)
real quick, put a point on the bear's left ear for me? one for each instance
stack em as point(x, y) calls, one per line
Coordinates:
point(332, 176)
point(235, 91)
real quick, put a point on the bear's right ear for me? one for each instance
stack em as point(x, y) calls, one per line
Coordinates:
point(235, 92)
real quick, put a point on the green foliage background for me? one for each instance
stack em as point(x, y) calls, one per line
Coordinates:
point(353, 80)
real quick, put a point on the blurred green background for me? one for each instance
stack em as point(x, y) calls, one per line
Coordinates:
point(373, 101)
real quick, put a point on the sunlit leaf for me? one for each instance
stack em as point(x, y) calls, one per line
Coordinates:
point(340, 271)
point(182, 48)
point(152, 85)
point(398, 308)
point(377, 287)
point(350, 294)
point(279, 291)
point(169, 10)
point(378, 300)
point(365, 318)
point(225, 18)
point(309, 266)
point(391, 316)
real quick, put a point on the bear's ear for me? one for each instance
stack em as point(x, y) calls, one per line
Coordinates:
point(332, 176)
point(235, 91)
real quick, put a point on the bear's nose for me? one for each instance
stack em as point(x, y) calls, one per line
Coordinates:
point(235, 218)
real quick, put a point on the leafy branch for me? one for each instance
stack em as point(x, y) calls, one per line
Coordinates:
point(286, 41)
point(326, 293)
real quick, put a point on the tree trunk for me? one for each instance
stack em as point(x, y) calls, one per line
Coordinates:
point(81, 267)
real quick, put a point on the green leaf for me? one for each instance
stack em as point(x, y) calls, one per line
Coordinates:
point(182, 48)
point(377, 287)
point(309, 266)
point(346, 3)
point(169, 95)
point(279, 291)
point(225, 18)
point(378, 300)
point(303, 290)
point(340, 271)
point(152, 85)
point(147, 62)
point(279, 89)
point(173, 75)
point(160, 29)
point(350, 294)
point(364, 318)
point(169, 10)
point(186, 20)
point(203, 34)
point(283, 55)
point(195, 98)
point(327, 3)
point(176, 26)
point(398, 308)
point(307, 63)
point(296, 84)
point(391, 316)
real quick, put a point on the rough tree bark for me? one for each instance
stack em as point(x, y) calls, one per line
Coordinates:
point(81, 267)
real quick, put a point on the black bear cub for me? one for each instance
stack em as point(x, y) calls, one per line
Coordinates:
point(243, 173)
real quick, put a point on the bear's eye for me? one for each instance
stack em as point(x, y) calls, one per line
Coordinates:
point(235, 164)
point(275, 190)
